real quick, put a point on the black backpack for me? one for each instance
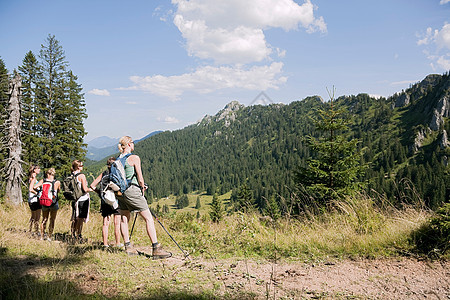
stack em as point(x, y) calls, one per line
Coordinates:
point(71, 189)
point(103, 184)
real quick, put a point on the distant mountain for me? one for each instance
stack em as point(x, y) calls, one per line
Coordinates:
point(104, 146)
point(102, 142)
point(405, 137)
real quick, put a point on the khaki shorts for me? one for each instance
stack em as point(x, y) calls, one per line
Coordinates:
point(133, 200)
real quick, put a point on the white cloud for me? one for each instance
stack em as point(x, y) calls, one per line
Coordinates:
point(444, 2)
point(238, 46)
point(437, 46)
point(169, 120)
point(99, 92)
point(131, 102)
point(208, 79)
point(443, 37)
point(444, 62)
point(232, 31)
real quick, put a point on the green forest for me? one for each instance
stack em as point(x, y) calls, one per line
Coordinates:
point(262, 148)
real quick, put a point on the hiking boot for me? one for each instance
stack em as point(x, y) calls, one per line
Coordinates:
point(160, 253)
point(130, 250)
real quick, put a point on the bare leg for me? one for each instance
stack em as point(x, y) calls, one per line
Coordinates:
point(117, 228)
point(44, 223)
point(79, 226)
point(150, 225)
point(51, 225)
point(124, 219)
point(31, 221)
point(37, 217)
point(105, 230)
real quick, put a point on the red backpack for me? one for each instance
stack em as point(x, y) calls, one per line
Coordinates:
point(48, 195)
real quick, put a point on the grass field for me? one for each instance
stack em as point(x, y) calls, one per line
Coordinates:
point(31, 268)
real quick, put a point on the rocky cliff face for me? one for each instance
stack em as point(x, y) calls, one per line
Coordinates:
point(402, 100)
point(229, 112)
point(431, 98)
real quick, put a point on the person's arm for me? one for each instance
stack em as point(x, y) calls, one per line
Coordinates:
point(96, 181)
point(57, 185)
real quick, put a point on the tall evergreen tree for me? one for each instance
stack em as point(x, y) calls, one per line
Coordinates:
point(31, 85)
point(54, 109)
point(245, 200)
point(198, 204)
point(70, 112)
point(216, 212)
point(335, 171)
point(54, 66)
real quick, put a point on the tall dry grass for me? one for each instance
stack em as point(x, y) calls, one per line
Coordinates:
point(355, 227)
point(31, 268)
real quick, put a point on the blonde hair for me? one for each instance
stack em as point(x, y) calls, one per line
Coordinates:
point(50, 171)
point(123, 142)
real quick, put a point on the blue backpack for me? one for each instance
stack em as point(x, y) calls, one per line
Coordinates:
point(117, 174)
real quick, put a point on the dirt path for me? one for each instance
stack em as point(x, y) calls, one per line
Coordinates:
point(404, 278)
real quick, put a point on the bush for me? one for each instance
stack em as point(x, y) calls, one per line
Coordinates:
point(434, 236)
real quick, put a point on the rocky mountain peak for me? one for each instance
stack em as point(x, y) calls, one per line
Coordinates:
point(229, 112)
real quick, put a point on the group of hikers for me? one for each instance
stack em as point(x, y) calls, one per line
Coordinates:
point(131, 200)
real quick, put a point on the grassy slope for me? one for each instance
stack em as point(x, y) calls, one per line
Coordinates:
point(46, 269)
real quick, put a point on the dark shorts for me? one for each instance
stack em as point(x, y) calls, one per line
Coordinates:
point(83, 209)
point(53, 207)
point(34, 206)
point(107, 209)
point(133, 200)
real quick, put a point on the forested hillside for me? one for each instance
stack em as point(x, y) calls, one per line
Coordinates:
point(404, 136)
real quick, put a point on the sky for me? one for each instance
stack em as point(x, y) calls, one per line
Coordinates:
point(163, 65)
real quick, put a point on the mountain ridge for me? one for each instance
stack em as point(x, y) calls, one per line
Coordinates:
point(103, 146)
point(261, 146)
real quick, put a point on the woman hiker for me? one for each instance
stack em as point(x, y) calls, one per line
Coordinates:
point(51, 210)
point(133, 200)
point(80, 207)
point(107, 210)
point(33, 199)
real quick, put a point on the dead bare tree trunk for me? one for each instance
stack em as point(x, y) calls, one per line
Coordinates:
point(13, 166)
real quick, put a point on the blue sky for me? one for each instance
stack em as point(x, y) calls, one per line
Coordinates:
point(163, 65)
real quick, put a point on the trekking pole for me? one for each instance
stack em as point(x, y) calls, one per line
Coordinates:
point(186, 255)
point(135, 217)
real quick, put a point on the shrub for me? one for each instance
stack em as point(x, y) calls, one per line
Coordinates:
point(434, 236)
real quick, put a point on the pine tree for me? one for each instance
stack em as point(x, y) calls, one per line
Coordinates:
point(245, 201)
point(197, 204)
point(272, 209)
point(69, 129)
point(216, 212)
point(54, 66)
point(335, 171)
point(54, 109)
point(31, 82)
